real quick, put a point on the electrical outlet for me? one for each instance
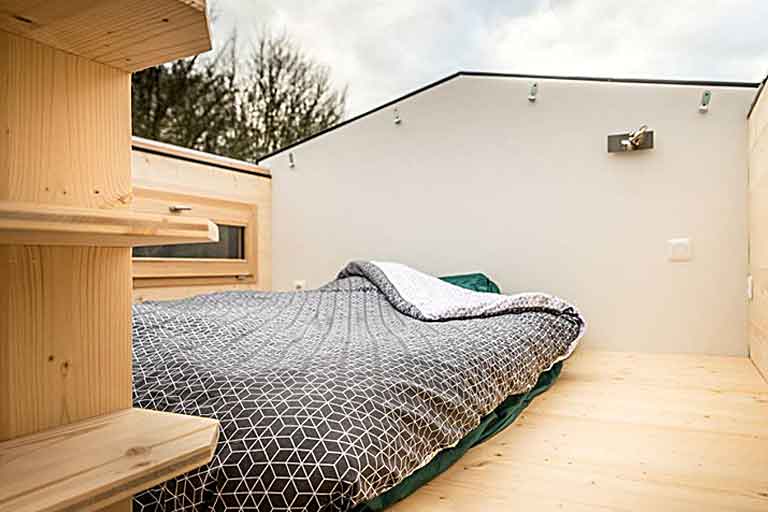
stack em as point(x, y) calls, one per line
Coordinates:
point(679, 249)
point(299, 285)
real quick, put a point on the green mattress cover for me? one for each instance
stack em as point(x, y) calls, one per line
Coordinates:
point(477, 282)
point(490, 425)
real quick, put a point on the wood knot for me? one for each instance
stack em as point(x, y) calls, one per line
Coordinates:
point(137, 450)
point(22, 19)
point(65, 368)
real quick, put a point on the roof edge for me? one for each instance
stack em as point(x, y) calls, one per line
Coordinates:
point(360, 116)
point(200, 157)
point(757, 96)
point(491, 74)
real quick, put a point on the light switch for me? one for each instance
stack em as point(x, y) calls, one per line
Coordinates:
point(679, 249)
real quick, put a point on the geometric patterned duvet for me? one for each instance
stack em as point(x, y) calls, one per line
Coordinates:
point(329, 397)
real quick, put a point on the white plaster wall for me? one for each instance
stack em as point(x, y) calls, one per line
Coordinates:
point(476, 178)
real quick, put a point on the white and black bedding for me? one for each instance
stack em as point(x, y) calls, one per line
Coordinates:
point(329, 397)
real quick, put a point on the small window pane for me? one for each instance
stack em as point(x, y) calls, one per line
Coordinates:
point(231, 245)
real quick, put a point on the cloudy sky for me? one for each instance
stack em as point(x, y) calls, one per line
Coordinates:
point(382, 49)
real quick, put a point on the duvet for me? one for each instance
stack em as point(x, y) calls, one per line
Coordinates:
point(328, 398)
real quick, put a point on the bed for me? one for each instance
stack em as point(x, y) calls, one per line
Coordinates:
point(346, 397)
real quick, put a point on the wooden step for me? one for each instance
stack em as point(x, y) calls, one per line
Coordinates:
point(94, 463)
point(45, 224)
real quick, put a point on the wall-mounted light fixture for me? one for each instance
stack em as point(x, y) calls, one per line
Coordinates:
point(291, 161)
point(533, 92)
point(642, 138)
point(397, 117)
point(706, 98)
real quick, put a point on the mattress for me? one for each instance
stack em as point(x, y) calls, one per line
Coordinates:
point(330, 398)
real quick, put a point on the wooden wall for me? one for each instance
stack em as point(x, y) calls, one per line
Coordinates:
point(207, 177)
point(758, 229)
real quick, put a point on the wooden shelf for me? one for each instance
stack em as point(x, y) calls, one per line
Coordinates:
point(91, 464)
point(126, 34)
point(44, 224)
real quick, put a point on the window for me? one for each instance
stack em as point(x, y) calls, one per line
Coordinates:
point(231, 245)
point(232, 258)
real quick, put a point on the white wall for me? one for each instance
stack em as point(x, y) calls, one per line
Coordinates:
point(476, 178)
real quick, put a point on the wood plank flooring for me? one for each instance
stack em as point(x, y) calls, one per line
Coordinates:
point(623, 432)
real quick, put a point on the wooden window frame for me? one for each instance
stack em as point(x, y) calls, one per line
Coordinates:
point(150, 272)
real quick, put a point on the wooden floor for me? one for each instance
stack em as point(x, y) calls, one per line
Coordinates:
point(623, 431)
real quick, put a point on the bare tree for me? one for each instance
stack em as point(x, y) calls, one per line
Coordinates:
point(287, 95)
point(242, 109)
point(192, 103)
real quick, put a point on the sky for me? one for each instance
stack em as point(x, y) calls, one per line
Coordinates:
point(383, 49)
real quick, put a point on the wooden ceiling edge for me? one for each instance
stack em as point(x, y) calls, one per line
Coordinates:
point(18, 25)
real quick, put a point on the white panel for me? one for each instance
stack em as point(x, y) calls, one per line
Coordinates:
point(477, 178)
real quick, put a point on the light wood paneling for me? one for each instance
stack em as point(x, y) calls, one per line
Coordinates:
point(623, 431)
point(758, 232)
point(87, 465)
point(42, 224)
point(152, 146)
point(66, 127)
point(758, 118)
point(171, 289)
point(213, 190)
point(126, 34)
point(65, 344)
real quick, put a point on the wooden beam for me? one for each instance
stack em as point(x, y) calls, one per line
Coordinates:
point(94, 463)
point(41, 224)
point(125, 34)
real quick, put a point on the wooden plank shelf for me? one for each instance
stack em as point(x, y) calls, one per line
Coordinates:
point(45, 224)
point(125, 34)
point(94, 463)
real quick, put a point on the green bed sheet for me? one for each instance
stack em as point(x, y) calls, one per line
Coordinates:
point(490, 425)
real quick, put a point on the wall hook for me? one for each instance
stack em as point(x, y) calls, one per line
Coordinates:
point(397, 117)
point(533, 92)
point(291, 161)
point(706, 97)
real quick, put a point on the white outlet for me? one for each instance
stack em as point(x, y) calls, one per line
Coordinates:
point(679, 249)
point(299, 285)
